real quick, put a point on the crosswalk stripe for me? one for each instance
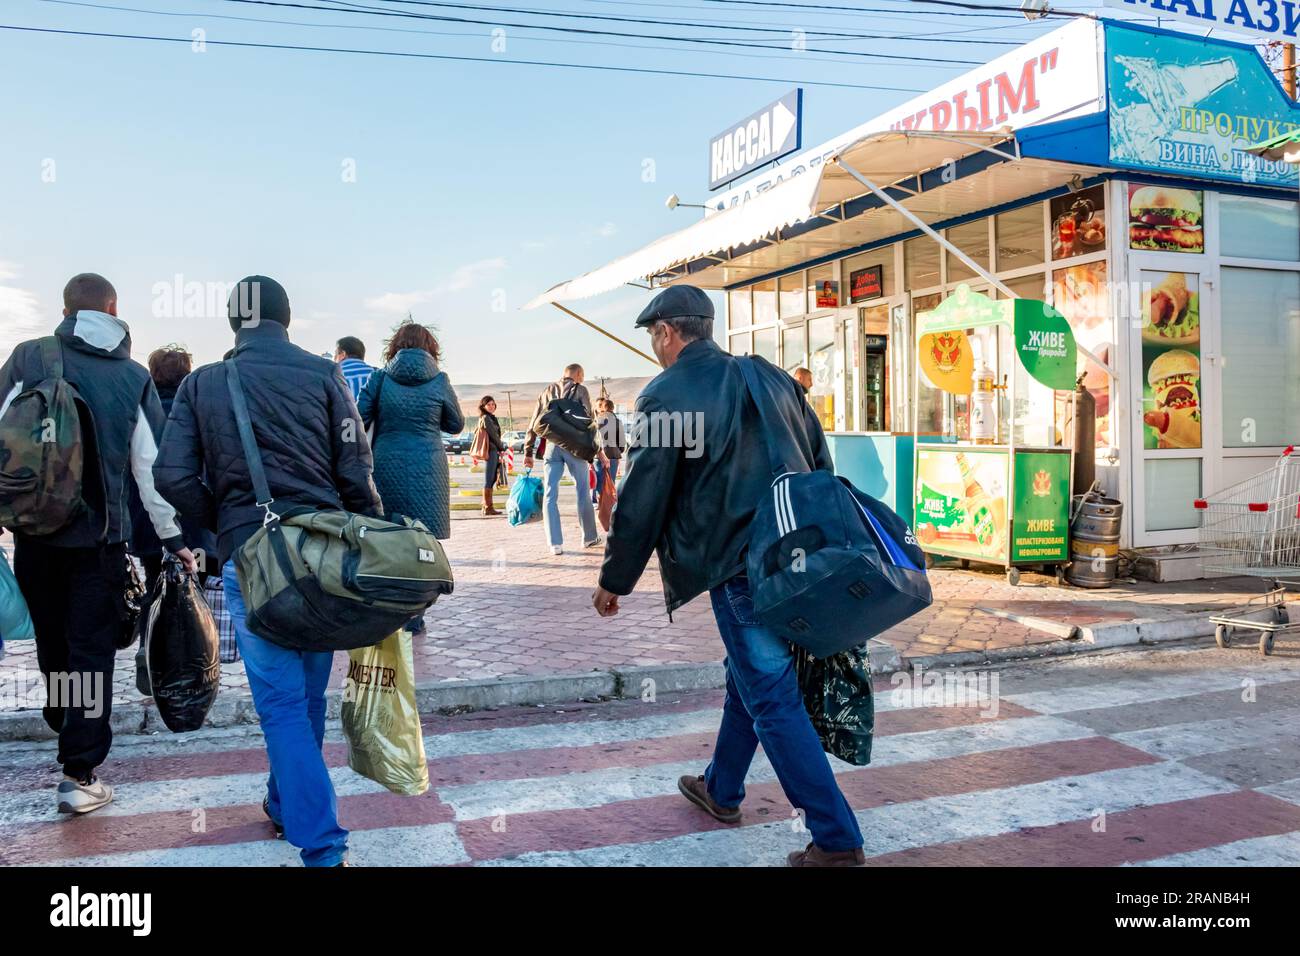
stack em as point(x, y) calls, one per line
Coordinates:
point(605, 745)
point(1144, 690)
point(430, 845)
point(592, 788)
point(895, 826)
point(1137, 833)
point(219, 826)
point(1180, 741)
point(167, 796)
point(1282, 849)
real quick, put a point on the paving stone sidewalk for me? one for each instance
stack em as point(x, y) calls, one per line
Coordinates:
point(520, 611)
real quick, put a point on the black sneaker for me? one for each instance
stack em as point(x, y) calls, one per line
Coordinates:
point(279, 827)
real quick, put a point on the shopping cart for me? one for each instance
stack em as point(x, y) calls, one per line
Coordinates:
point(1253, 528)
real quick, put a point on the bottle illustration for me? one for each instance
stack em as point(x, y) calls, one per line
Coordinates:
point(985, 514)
point(1158, 93)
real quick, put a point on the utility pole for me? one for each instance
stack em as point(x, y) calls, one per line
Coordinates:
point(1288, 69)
point(510, 409)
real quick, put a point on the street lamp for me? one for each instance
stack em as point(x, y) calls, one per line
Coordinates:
point(672, 202)
point(1034, 9)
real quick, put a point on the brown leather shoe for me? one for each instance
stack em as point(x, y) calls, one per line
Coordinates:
point(813, 855)
point(695, 790)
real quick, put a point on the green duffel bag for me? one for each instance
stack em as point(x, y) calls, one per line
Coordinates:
point(330, 580)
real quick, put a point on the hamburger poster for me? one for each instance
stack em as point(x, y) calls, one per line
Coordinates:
point(1164, 219)
point(1171, 360)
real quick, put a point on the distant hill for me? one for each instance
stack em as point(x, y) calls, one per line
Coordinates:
point(524, 398)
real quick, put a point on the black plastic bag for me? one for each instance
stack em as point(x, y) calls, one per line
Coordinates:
point(129, 602)
point(179, 638)
point(838, 697)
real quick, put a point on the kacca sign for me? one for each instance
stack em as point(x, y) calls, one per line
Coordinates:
point(772, 132)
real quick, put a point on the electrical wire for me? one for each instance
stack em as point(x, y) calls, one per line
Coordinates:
point(366, 11)
point(997, 10)
point(566, 14)
point(802, 57)
point(458, 59)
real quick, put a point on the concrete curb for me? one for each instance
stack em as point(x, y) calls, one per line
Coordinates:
point(1149, 630)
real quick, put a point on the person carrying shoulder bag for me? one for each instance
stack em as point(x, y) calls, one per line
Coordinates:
point(488, 448)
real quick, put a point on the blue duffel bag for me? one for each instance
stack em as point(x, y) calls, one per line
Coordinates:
point(829, 566)
point(525, 502)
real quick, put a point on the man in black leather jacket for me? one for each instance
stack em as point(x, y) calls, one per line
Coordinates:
point(698, 466)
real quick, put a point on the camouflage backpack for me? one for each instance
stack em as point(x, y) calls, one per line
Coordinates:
point(41, 451)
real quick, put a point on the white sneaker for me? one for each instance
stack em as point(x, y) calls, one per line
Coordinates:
point(595, 542)
point(77, 797)
point(556, 549)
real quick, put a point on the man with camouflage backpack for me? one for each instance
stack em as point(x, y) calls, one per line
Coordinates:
point(78, 420)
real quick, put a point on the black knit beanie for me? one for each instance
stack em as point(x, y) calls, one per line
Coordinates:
point(257, 299)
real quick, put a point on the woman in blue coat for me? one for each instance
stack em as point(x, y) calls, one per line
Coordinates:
point(411, 403)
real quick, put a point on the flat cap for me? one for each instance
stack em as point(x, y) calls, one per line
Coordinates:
point(675, 302)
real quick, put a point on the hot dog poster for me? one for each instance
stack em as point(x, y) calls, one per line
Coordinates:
point(1081, 294)
point(1171, 360)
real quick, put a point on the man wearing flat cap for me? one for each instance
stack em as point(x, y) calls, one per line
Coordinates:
point(697, 468)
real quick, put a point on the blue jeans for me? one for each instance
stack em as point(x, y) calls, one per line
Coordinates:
point(764, 705)
point(289, 694)
point(557, 460)
point(600, 478)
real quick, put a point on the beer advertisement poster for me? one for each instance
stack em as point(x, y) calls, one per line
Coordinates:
point(961, 506)
point(1039, 526)
point(1171, 360)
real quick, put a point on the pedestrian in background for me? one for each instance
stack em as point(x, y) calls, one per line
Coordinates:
point(74, 579)
point(410, 403)
point(168, 367)
point(804, 377)
point(558, 459)
point(609, 431)
point(697, 511)
point(490, 448)
point(300, 408)
point(350, 353)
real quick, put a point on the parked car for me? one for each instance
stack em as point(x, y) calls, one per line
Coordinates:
point(456, 444)
point(517, 440)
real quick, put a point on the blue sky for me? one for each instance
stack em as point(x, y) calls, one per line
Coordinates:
point(477, 185)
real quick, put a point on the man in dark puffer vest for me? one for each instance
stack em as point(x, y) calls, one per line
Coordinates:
point(75, 578)
point(315, 453)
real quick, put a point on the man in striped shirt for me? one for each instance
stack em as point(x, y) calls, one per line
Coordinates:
point(350, 353)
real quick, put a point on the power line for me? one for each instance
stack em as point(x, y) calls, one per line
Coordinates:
point(999, 11)
point(803, 57)
point(459, 59)
point(589, 31)
point(889, 14)
point(566, 14)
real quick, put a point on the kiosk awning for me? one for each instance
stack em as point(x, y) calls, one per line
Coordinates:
point(936, 175)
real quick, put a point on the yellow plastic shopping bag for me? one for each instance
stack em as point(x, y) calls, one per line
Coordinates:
point(380, 720)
